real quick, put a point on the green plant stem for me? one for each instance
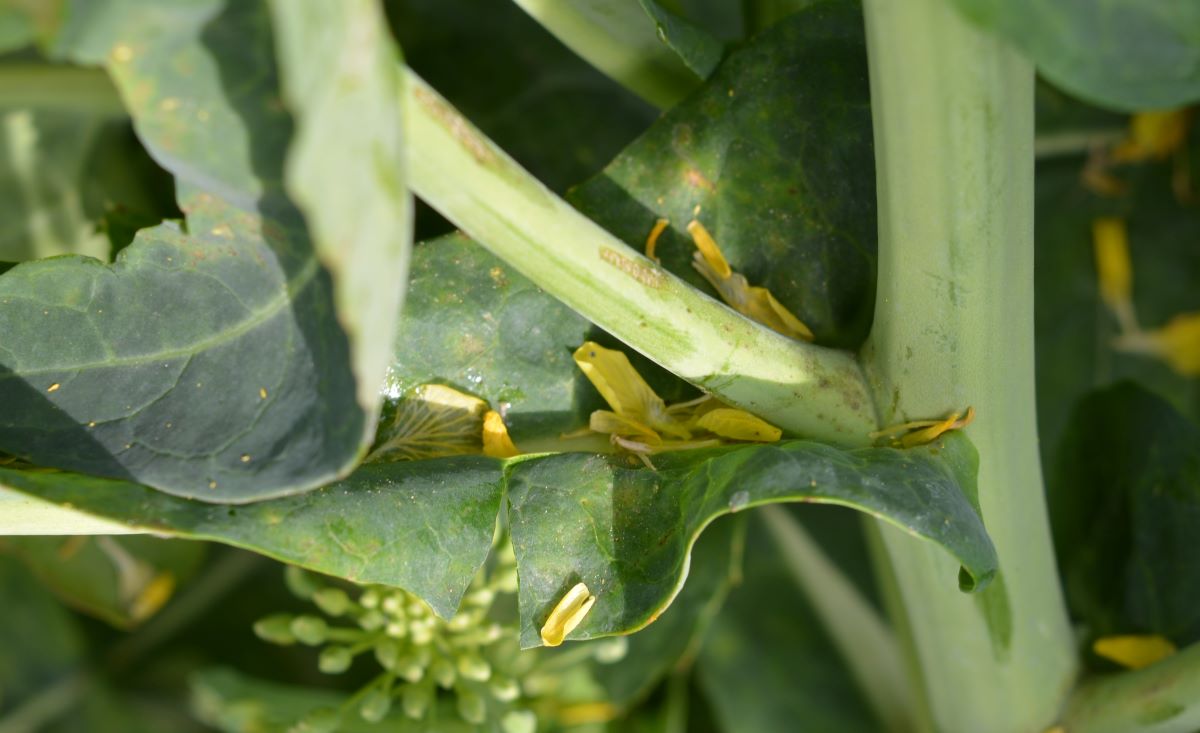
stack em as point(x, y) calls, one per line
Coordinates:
point(860, 635)
point(1162, 698)
point(953, 111)
point(619, 39)
point(808, 390)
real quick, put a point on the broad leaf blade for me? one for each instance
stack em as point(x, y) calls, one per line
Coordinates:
point(779, 161)
point(627, 533)
point(425, 526)
point(1128, 54)
point(210, 364)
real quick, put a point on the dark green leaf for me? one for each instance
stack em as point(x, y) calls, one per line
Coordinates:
point(767, 667)
point(776, 150)
point(474, 323)
point(211, 363)
point(1126, 511)
point(1128, 54)
point(121, 580)
point(425, 526)
point(698, 50)
point(627, 533)
point(675, 638)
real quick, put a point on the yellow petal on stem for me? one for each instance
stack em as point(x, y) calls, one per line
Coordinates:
point(735, 424)
point(1153, 134)
point(624, 389)
point(567, 614)
point(652, 239)
point(496, 442)
point(1134, 651)
point(920, 432)
point(1178, 343)
point(771, 313)
point(709, 250)
point(610, 423)
point(587, 713)
point(1113, 266)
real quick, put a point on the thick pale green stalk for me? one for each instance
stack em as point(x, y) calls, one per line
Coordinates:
point(1162, 698)
point(619, 39)
point(953, 111)
point(860, 635)
point(806, 389)
point(59, 88)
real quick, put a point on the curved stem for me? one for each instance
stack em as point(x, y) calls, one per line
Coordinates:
point(809, 390)
point(953, 112)
point(1162, 698)
point(619, 39)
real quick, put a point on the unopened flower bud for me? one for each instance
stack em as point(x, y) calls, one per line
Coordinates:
point(310, 630)
point(321, 720)
point(301, 583)
point(519, 721)
point(471, 707)
point(334, 659)
point(416, 700)
point(504, 689)
point(443, 672)
point(375, 705)
point(387, 652)
point(474, 667)
point(275, 629)
point(332, 601)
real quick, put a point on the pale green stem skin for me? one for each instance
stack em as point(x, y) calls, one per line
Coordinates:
point(860, 635)
point(619, 39)
point(1162, 698)
point(953, 112)
point(808, 390)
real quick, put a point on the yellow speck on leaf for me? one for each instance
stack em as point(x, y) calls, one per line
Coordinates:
point(567, 614)
point(245, 458)
point(262, 393)
point(54, 387)
point(121, 53)
point(1134, 651)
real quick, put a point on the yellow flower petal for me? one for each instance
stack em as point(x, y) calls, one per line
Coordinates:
point(1178, 343)
point(921, 432)
point(1153, 134)
point(432, 421)
point(152, 597)
point(624, 389)
point(1134, 651)
point(728, 422)
point(652, 239)
point(567, 615)
point(496, 442)
point(709, 250)
point(1113, 266)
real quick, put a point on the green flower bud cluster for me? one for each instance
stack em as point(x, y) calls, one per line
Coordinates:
point(427, 662)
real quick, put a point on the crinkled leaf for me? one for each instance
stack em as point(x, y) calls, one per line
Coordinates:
point(1128, 54)
point(698, 50)
point(1125, 503)
point(211, 363)
point(1074, 330)
point(425, 526)
point(120, 580)
point(627, 532)
point(776, 150)
point(767, 664)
